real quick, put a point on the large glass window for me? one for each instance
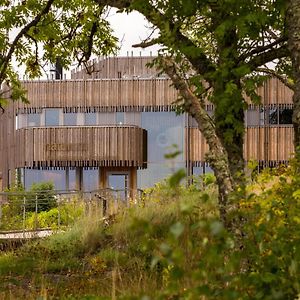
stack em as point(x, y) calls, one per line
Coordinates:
point(90, 179)
point(165, 129)
point(34, 120)
point(90, 118)
point(108, 118)
point(132, 118)
point(52, 116)
point(70, 119)
point(285, 116)
point(57, 177)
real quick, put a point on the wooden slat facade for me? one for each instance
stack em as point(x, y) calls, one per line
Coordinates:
point(81, 146)
point(273, 144)
point(103, 95)
point(116, 67)
point(117, 146)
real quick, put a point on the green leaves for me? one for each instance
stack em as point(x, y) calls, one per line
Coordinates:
point(35, 32)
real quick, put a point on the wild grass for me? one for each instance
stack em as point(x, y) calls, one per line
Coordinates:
point(98, 260)
point(171, 245)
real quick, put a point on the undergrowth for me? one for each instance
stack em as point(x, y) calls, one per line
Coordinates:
point(172, 245)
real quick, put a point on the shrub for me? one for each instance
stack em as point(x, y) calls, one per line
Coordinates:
point(40, 197)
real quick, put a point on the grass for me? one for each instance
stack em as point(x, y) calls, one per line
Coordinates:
point(173, 246)
point(97, 261)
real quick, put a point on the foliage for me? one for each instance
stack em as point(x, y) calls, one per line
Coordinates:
point(174, 246)
point(40, 197)
point(35, 32)
point(39, 208)
point(65, 214)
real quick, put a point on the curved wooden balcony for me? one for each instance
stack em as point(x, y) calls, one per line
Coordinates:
point(81, 146)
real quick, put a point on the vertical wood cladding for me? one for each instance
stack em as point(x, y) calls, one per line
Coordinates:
point(85, 146)
point(116, 67)
point(20, 147)
point(105, 95)
point(278, 147)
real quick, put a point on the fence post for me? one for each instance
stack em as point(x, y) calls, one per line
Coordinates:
point(35, 214)
point(24, 214)
point(58, 201)
point(0, 212)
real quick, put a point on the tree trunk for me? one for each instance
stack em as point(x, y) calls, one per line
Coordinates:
point(217, 157)
point(293, 26)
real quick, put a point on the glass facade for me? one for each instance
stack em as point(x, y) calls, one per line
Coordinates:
point(34, 120)
point(70, 119)
point(57, 177)
point(90, 118)
point(90, 179)
point(165, 135)
point(52, 117)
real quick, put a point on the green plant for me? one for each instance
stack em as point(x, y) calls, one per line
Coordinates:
point(41, 197)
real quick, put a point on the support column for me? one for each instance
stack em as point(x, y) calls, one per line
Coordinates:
point(79, 179)
point(102, 178)
point(133, 182)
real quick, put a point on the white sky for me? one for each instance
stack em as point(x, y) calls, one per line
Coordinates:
point(131, 29)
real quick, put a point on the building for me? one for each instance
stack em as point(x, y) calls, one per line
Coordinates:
point(113, 127)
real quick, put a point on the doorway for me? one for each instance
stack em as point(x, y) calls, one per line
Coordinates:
point(119, 184)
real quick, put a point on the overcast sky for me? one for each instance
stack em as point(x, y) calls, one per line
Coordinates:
point(131, 29)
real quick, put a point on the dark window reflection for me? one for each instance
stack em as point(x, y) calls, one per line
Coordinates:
point(280, 116)
point(285, 116)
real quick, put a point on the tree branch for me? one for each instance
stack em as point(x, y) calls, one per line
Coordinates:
point(260, 49)
point(147, 43)
point(175, 39)
point(267, 57)
point(23, 31)
point(283, 79)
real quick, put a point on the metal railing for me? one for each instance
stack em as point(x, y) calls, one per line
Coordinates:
point(55, 210)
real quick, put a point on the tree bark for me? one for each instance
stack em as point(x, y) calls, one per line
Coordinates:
point(293, 26)
point(217, 157)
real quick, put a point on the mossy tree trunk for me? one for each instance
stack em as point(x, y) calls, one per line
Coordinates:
point(293, 26)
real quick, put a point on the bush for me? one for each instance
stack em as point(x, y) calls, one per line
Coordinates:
point(40, 197)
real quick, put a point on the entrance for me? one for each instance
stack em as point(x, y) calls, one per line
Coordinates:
point(119, 183)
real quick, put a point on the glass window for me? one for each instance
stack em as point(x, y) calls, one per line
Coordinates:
point(70, 119)
point(120, 118)
point(21, 121)
point(52, 116)
point(57, 177)
point(90, 119)
point(72, 179)
point(156, 172)
point(132, 118)
point(164, 130)
point(90, 179)
point(108, 118)
point(285, 116)
point(34, 120)
point(252, 117)
point(273, 116)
